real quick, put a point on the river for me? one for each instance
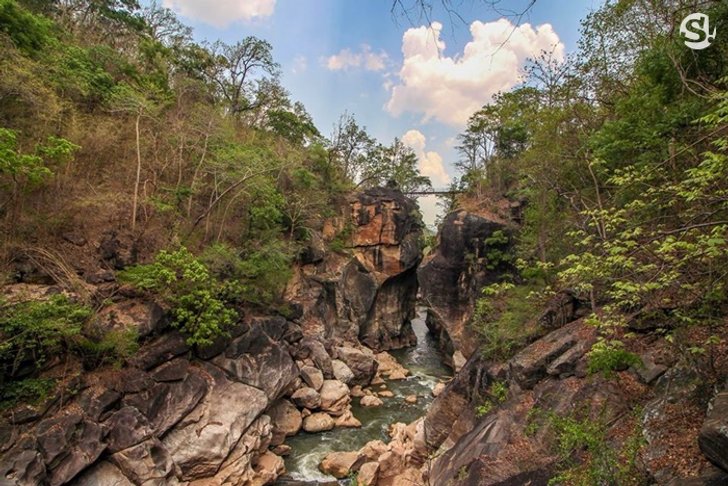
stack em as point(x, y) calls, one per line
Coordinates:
point(426, 369)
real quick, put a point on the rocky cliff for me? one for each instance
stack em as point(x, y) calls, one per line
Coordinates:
point(542, 413)
point(220, 414)
point(367, 290)
point(464, 260)
point(500, 423)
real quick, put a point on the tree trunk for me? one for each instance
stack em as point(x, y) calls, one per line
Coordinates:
point(135, 200)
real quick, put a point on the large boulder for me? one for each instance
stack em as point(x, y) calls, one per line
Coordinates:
point(68, 443)
point(334, 397)
point(318, 422)
point(258, 359)
point(307, 397)
point(340, 464)
point(148, 461)
point(363, 364)
point(713, 438)
point(286, 421)
point(165, 404)
point(312, 348)
point(368, 474)
point(207, 436)
point(313, 377)
point(557, 353)
point(342, 372)
point(127, 427)
point(142, 317)
point(465, 259)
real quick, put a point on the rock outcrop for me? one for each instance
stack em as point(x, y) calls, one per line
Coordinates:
point(365, 291)
point(713, 437)
point(214, 415)
point(175, 415)
point(466, 258)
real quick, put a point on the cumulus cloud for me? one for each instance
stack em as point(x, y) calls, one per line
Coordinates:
point(450, 89)
point(430, 162)
point(363, 58)
point(222, 13)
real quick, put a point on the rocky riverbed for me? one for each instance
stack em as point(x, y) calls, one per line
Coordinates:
point(425, 371)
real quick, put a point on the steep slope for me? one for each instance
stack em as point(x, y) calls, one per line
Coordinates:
point(176, 413)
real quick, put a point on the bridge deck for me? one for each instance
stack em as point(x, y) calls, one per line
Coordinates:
point(432, 193)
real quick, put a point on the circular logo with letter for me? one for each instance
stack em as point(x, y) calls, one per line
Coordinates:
point(695, 28)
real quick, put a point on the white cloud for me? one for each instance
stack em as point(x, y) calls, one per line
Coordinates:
point(450, 89)
point(430, 162)
point(363, 58)
point(222, 13)
point(300, 64)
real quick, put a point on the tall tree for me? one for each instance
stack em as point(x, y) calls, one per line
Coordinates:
point(235, 68)
point(395, 164)
point(350, 147)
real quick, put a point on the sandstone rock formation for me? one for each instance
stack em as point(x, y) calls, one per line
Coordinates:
point(451, 277)
point(367, 292)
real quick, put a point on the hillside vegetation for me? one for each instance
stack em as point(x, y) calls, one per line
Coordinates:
point(119, 132)
point(619, 157)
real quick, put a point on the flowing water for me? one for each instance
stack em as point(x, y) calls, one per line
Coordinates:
point(426, 369)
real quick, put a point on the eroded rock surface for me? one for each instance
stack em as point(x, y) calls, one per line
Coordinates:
point(216, 415)
point(367, 292)
point(451, 277)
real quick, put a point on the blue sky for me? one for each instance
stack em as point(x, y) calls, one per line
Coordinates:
point(339, 55)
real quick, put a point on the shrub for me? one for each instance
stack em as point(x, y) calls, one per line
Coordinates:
point(483, 409)
point(182, 280)
point(341, 241)
point(588, 457)
point(497, 252)
point(31, 390)
point(33, 331)
point(606, 357)
point(498, 393)
point(255, 277)
point(114, 347)
point(503, 318)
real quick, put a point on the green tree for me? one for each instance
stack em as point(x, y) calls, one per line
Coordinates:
point(396, 164)
point(235, 68)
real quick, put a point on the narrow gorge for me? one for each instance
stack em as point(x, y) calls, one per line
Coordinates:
point(330, 243)
point(354, 384)
point(221, 413)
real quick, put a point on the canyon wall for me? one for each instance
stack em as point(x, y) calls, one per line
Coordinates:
point(175, 414)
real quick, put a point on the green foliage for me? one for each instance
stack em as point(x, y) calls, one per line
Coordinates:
point(31, 169)
point(34, 331)
point(114, 347)
point(396, 163)
point(29, 32)
point(620, 155)
point(588, 457)
point(499, 391)
point(497, 252)
point(341, 241)
point(185, 282)
point(18, 165)
point(484, 408)
point(30, 390)
point(504, 318)
point(608, 356)
point(254, 276)
point(497, 394)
